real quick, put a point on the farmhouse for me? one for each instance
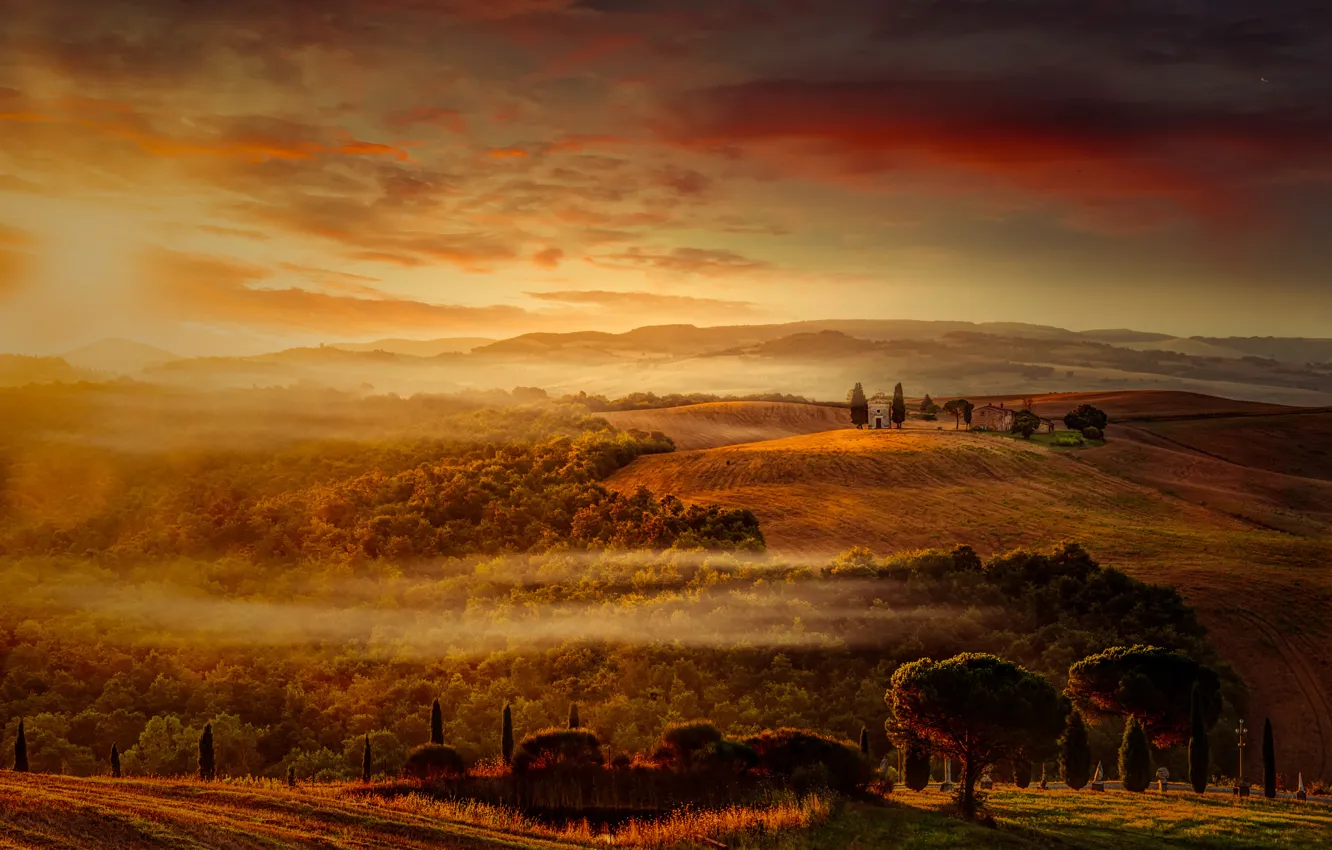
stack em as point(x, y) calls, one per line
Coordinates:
point(880, 411)
point(994, 418)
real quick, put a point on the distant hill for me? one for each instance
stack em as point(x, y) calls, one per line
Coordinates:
point(417, 347)
point(17, 370)
point(118, 356)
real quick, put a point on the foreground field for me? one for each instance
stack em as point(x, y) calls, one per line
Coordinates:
point(53, 811)
point(1248, 545)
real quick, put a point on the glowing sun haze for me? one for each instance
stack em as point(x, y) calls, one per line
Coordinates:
point(219, 177)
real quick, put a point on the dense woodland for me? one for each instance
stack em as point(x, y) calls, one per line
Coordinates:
point(302, 594)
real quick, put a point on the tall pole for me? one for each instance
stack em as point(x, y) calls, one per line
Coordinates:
point(1240, 732)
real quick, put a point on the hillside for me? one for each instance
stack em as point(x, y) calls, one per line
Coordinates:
point(1212, 528)
point(53, 811)
point(417, 347)
point(706, 426)
point(118, 356)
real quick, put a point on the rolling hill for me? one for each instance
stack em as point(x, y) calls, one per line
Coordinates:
point(1243, 538)
point(706, 426)
point(118, 356)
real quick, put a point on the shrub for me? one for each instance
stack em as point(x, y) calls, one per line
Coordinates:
point(917, 768)
point(1075, 753)
point(1091, 432)
point(429, 762)
point(785, 752)
point(1021, 772)
point(1135, 758)
point(1068, 440)
point(555, 748)
point(1085, 416)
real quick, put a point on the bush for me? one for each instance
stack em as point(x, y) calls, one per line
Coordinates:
point(1085, 416)
point(793, 754)
point(429, 762)
point(917, 768)
point(699, 745)
point(1091, 432)
point(1135, 758)
point(558, 748)
point(1068, 440)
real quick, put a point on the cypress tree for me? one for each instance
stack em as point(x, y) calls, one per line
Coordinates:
point(1135, 758)
point(21, 750)
point(506, 736)
point(436, 724)
point(1022, 773)
point(917, 768)
point(365, 761)
point(573, 715)
point(899, 406)
point(864, 741)
point(859, 406)
point(1075, 753)
point(1200, 756)
point(115, 762)
point(291, 776)
point(1269, 761)
point(207, 766)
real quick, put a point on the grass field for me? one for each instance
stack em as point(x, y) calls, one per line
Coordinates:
point(54, 811)
point(707, 426)
point(1249, 546)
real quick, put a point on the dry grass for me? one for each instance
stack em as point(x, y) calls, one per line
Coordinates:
point(707, 426)
point(1116, 820)
point(45, 811)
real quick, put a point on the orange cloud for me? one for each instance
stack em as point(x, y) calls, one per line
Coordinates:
point(449, 119)
point(615, 300)
point(253, 139)
point(211, 289)
point(686, 261)
point(13, 263)
point(506, 153)
point(548, 258)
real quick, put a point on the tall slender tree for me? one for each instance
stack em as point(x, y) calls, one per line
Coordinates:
point(436, 724)
point(365, 760)
point(115, 762)
point(291, 776)
point(1269, 761)
point(1200, 751)
point(864, 740)
point(899, 406)
point(21, 750)
point(859, 406)
point(506, 736)
point(207, 763)
point(1135, 757)
point(573, 716)
point(1075, 753)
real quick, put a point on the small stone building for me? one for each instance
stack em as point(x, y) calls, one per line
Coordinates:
point(880, 411)
point(992, 417)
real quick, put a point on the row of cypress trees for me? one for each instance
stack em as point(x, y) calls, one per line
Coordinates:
point(1135, 760)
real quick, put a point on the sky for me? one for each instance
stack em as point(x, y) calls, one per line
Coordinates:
point(232, 177)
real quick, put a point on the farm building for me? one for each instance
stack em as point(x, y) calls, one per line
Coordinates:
point(880, 411)
point(992, 417)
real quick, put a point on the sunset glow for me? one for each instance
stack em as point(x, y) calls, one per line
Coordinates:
point(218, 178)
